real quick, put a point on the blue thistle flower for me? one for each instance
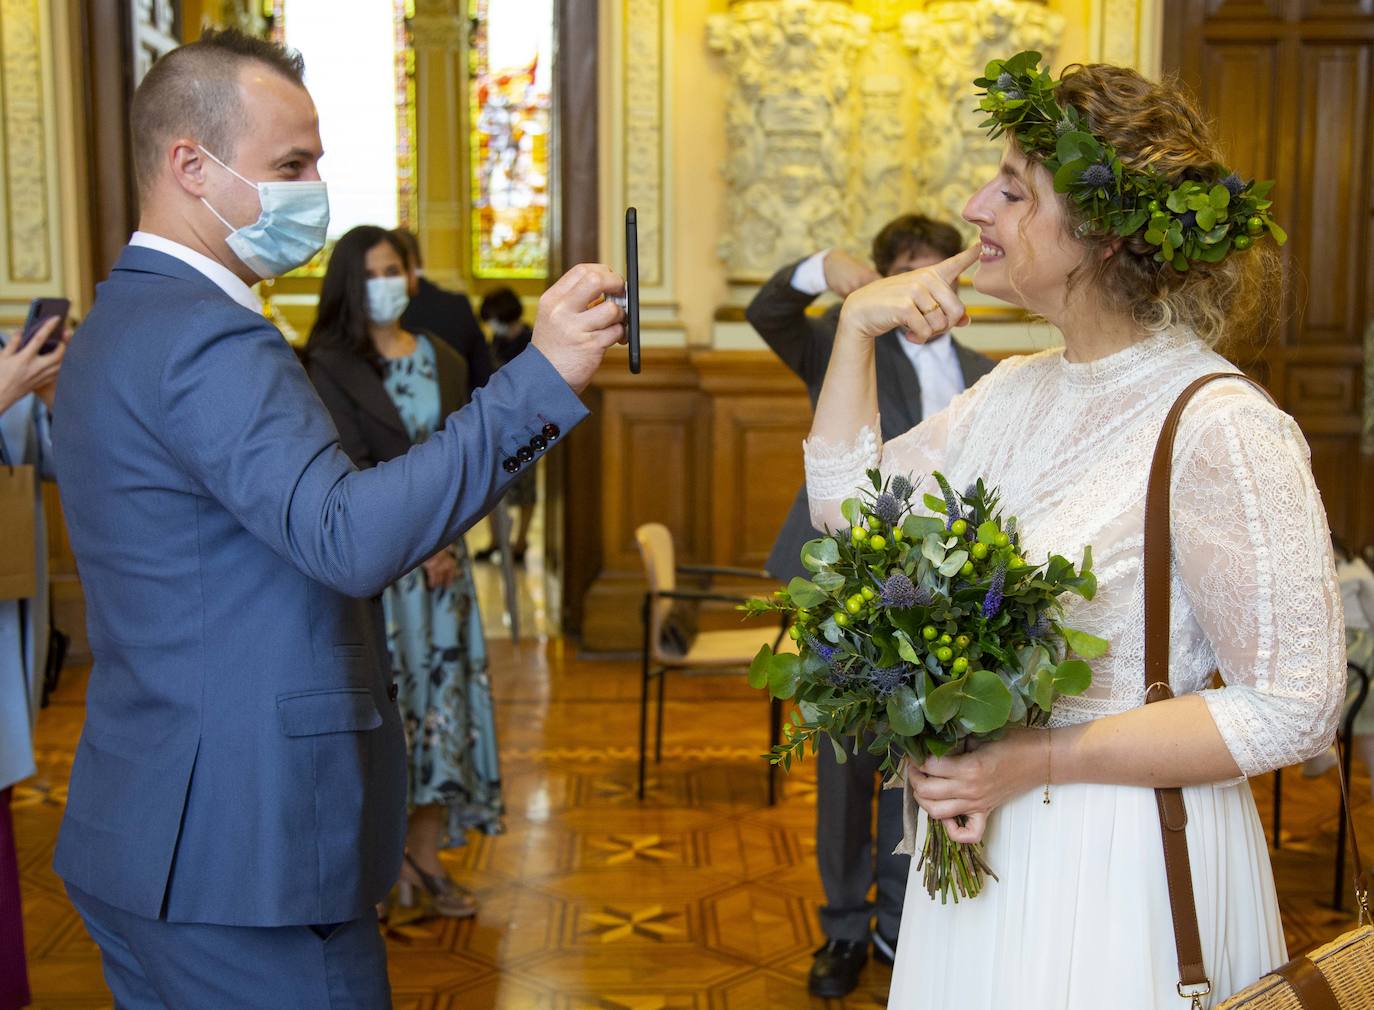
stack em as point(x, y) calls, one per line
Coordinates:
point(951, 503)
point(1234, 184)
point(1005, 81)
point(1097, 176)
point(923, 597)
point(1012, 95)
point(888, 508)
point(1064, 126)
point(901, 488)
point(1013, 534)
point(1189, 219)
point(886, 679)
point(992, 602)
point(1040, 628)
point(898, 591)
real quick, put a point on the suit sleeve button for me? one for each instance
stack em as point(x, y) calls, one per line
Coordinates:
point(539, 443)
point(510, 464)
point(524, 454)
point(551, 431)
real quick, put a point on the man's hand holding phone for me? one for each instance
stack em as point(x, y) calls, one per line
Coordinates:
point(576, 323)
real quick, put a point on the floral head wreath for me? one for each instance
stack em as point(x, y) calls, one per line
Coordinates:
point(1188, 223)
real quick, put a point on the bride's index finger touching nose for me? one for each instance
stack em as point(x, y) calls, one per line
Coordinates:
point(951, 268)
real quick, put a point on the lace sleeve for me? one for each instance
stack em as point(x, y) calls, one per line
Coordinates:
point(1253, 552)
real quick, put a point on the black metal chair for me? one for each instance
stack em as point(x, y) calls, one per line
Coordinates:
point(706, 650)
point(1347, 733)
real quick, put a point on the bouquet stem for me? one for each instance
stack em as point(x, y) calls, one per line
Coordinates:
point(952, 869)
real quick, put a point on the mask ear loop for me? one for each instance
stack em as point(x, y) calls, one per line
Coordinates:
point(246, 182)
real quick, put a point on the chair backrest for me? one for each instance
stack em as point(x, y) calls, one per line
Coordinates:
point(660, 573)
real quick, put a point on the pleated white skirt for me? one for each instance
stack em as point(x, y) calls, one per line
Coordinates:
point(1080, 917)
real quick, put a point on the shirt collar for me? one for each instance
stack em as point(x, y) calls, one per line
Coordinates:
point(222, 277)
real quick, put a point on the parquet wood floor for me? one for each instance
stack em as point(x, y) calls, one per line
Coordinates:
point(701, 898)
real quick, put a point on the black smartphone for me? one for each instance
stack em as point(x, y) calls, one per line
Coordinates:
point(632, 287)
point(40, 311)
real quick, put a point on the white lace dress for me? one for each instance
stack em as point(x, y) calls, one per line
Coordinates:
point(1080, 918)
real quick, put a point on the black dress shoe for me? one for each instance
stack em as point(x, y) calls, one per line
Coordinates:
point(835, 971)
point(884, 950)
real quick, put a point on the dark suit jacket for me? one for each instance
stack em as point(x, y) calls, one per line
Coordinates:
point(448, 315)
point(242, 761)
point(804, 344)
point(370, 428)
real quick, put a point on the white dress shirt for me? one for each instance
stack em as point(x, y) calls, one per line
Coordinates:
point(221, 275)
point(936, 363)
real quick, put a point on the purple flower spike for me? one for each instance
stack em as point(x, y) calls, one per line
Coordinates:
point(992, 602)
point(1040, 628)
point(951, 502)
point(825, 650)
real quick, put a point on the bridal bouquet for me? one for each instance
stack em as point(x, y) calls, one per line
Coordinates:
point(929, 633)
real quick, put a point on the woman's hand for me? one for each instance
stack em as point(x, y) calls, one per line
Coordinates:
point(24, 370)
point(972, 785)
point(440, 570)
point(924, 302)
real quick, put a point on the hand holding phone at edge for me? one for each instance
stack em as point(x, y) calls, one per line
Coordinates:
point(574, 327)
point(24, 370)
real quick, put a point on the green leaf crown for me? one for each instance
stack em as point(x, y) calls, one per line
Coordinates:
point(1188, 223)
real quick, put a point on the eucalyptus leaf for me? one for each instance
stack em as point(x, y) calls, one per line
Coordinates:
point(904, 712)
point(933, 549)
point(804, 593)
point(784, 671)
point(951, 565)
point(819, 553)
point(942, 704)
point(985, 702)
point(829, 582)
point(758, 669)
point(917, 528)
point(1073, 676)
point(852, 510)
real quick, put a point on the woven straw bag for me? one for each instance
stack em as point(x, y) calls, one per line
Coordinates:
point(1338, 976)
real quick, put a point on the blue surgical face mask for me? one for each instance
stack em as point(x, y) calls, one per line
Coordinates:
point(386, 299)
point(289, 231)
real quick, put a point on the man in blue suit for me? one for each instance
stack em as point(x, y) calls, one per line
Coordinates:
point(237, 803)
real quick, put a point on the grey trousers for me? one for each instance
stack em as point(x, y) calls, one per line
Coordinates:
point(845, 846)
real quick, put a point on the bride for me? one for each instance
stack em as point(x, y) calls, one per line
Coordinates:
point(1080, 916)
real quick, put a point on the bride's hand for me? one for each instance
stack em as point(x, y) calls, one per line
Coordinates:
point(924, 302)
point(973, 785)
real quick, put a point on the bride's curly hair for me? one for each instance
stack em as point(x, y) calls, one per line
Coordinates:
point(1158, 125)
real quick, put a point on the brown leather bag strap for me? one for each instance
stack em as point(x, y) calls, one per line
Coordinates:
point(1361, 877)
point(1173, 819)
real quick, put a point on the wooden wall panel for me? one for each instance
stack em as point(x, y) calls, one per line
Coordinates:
point(1331, 186)
point(1232, 74)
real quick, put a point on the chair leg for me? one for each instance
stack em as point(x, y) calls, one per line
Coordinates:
point(1278, 808)
point(644, 702)
point(774, 738)
point(658, 736)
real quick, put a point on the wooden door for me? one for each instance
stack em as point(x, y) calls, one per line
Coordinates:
point(1289, 84)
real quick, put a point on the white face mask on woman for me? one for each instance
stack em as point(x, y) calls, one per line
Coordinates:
point(386, 299)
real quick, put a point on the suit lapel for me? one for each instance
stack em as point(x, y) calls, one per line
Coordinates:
point(899, 389)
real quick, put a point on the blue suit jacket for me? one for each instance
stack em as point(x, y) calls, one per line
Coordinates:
point(242, 762)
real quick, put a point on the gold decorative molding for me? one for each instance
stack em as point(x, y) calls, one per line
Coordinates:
point(29, 247)
point(643, 143)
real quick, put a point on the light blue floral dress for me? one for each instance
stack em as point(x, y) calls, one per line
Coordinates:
point(439, 654)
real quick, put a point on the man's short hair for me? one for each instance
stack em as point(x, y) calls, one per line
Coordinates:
point(913, 234)
point(411, 245)
point(193, 91)
point(503, 305)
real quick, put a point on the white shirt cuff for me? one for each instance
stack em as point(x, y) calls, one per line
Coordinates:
point(809, 277)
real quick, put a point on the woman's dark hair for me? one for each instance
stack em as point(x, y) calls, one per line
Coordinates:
point(503, 305)
point(341, 321)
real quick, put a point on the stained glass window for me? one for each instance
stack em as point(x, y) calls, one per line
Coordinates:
point(510, 69)
point(359, 68)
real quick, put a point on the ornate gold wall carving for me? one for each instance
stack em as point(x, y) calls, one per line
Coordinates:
point(644, 141)
point(953, 157)
point(789, 122)
point(840, 117)
point(29, 240)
